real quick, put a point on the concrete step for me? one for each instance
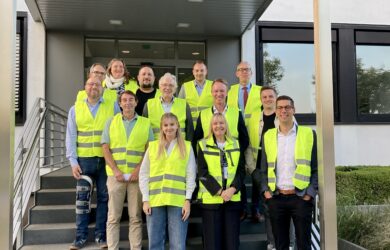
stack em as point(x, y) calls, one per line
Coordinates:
point(58, 179)
point(247, 242)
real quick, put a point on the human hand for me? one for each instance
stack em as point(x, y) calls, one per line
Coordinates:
point(186, 210)
point(76, 172)
point(146, 207)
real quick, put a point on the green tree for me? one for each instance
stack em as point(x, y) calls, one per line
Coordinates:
point(373, 89)
point(273, 70)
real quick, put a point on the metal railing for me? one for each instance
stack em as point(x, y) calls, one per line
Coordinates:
point(41, 148)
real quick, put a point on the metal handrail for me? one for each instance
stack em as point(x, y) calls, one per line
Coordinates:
point(41, 146)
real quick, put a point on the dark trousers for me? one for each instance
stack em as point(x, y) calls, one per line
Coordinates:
point(221, 226)
point(283, 208)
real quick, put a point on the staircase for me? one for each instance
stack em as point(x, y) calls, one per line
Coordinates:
point(52, 220)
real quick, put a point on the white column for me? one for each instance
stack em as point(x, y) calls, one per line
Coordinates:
point(7, 118)
point(325, 124)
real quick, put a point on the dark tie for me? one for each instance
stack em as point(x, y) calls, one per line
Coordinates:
point(245, 95)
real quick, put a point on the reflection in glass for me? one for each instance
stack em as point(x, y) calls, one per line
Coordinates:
point(290, 69)
point(373, 79)
point(146, 49)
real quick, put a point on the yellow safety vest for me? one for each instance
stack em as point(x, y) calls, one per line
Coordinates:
point(303, 149)
point(131, 85)
point(90, 129)
point(231, 116)
point(155, 111)
point(198, 103)
point(127, 152)
point(255, 128)
point(167, 178)
point(213, 159)
point(108, 94)
point(253, 103)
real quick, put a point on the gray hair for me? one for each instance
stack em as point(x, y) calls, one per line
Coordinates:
point(168, 76)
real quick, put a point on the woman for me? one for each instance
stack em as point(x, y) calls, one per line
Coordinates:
point(118, 78)
point(221, 171)
point(167, 180)
point(167, 102)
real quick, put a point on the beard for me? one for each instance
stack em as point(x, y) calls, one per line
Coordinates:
point(147, 85)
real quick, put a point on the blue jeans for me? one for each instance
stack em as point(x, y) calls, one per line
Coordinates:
point(94, 167)
point(157, 224)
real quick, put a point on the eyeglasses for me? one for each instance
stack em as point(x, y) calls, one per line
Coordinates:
point(98, 72)
point(97, 84)
point(244, 69)
point(287, 108)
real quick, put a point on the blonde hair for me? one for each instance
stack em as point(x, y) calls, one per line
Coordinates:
point(163, 139)
point(218, 116)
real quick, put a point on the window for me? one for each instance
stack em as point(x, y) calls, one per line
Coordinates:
point(21, 68)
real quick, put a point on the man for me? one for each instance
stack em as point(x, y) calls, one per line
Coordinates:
point(289, 176)
point(124, 142)
point(245, 95)
point(233, 116)
point(197, 93)
point(146, 89)
point(86, 121)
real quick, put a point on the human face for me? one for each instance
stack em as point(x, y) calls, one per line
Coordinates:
point(117, 69)
point(167, 87)
point(169, 128)
point(199, 71)
point(219, 93)
point(98, 71)
point(218, 126)
point(127, 103)
point(146, 78)
point(93, 88)
point(285, 111)
point(268, 99)
point(244, 73)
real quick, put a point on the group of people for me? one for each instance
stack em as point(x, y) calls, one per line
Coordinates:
point(162, 153)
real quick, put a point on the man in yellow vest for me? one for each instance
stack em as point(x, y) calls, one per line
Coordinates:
point(197, 93)
point(124, 142)
point(289, 176)
point(86, 121)
point(244, 95)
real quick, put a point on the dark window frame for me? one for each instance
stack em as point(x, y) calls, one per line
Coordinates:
point(21, 28)
point(344, 41)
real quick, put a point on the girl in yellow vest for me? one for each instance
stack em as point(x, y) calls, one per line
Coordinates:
point(167, 180)
point(221, 172)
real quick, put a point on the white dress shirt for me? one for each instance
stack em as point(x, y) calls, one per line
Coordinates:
point(285, 168)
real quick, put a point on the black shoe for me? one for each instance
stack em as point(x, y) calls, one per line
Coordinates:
point(101, 242)
point(243, 216)
point(78, 244)
point(258, 218)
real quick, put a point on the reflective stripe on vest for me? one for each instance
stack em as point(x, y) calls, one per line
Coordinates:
point(89, 128)
point(212, 156)
point(155, 111)
point(303, 148)
point(253, 103)
point(127, 152)
point(167, 177)
point(198, 103)
point(231, 116)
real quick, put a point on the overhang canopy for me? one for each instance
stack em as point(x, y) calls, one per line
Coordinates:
point(150, 18)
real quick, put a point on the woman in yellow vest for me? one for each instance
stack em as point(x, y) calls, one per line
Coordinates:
point(167, 180)
point(221, 171)
point(118, 78)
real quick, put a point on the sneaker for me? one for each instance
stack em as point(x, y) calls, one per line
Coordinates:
point(270, 247)
point(78, 244)
point(101, 242)
point(258, 218)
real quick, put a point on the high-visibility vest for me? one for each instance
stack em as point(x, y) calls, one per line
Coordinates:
point(253, 103)
point(155, 112)
point(198, 103)
point(255, 128)
point(212, 155)
point(231, 116)
point(127, 152)
point(303, 149)
point(90, 129)
point(131, 85)
point(167, 177)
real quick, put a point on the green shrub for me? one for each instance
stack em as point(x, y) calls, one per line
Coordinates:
point(362, 185)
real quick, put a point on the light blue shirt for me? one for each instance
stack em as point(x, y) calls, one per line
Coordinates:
point(129, 125)
point(199, 88)
point(71, 130)
point(241, 96)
